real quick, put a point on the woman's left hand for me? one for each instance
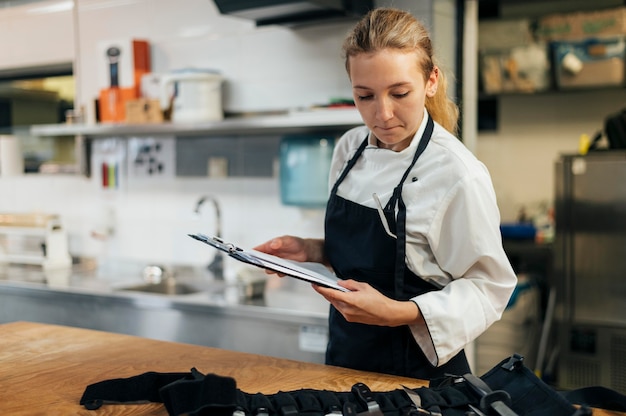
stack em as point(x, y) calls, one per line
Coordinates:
point(366, 305)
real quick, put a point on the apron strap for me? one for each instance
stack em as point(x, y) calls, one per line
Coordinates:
point(425, 139)
point(396, 199)
point(350, 164)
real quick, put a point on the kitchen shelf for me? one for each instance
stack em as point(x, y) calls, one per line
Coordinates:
point(553, 91)
point(533, 10)
point(292, 122)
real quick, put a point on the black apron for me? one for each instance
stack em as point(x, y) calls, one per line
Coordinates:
point(358, 248)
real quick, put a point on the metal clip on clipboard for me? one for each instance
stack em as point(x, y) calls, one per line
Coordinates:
point(216, 242)
point(229, 248)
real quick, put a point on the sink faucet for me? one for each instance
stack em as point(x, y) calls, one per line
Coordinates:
point(217, 265)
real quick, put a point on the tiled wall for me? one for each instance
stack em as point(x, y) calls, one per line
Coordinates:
point(148, 221)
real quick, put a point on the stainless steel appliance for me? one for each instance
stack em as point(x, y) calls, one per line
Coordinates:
point(590, 269)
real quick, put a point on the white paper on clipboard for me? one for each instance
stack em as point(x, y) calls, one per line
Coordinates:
point(311, 272)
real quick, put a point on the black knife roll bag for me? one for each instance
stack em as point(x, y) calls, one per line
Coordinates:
point(196, 394)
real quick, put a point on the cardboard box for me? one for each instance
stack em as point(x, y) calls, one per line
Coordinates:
point(112, 103)
point(519, 69)
point(581, 25)
point(590, 63)
point(504, 34)
point(143, 110)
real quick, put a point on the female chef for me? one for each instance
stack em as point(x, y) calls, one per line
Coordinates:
point(412, 223)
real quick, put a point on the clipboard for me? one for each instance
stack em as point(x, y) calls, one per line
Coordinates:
point(310, 272)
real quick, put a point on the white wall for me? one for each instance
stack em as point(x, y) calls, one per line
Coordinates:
point(266, 68)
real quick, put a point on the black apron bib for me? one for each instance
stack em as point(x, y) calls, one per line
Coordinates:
point(358, 247)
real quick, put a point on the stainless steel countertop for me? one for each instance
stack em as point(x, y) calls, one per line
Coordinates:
point(289, 321)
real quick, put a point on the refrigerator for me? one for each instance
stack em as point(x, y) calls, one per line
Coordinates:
point(589, 273)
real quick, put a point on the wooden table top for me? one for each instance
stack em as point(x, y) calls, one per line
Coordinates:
point(44, 369)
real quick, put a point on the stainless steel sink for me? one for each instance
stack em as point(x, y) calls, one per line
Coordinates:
point(180, 280)
point(171, 281)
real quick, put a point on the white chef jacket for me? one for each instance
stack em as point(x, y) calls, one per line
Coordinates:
point(453, 237)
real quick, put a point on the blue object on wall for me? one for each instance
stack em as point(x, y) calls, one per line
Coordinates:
point(304, 166)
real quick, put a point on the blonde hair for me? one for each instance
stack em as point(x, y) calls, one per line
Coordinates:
point(384, 28)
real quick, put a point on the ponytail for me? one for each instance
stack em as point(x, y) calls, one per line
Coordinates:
point(441, 108)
